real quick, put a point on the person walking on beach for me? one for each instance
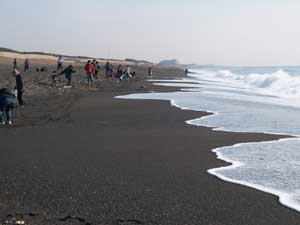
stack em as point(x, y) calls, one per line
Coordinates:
point(26, 65)
point(19, 86)
point(15, 65)
point(68, 73)
point(59, 63)
point(6, 105)
point(89, 68)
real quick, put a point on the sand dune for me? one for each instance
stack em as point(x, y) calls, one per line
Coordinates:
point(7, 58)
point(26, 56)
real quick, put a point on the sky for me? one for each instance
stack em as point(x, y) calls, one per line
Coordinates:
point(223, 32)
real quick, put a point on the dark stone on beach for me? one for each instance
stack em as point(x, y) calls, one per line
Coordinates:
point(128, 222)
point(44, 69)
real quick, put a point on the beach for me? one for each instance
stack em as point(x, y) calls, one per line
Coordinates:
point(80, 156)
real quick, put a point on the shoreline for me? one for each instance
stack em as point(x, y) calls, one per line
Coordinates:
point(283, 198)
point(126, 172)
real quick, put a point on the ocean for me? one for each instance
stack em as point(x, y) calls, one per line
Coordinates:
point(247, 99)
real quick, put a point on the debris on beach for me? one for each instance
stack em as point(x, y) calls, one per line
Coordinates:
point(74, 219)
point(13, 221)
point(17, 219)
point(128, 222)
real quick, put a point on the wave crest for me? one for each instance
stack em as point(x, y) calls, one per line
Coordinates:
point(279, 83)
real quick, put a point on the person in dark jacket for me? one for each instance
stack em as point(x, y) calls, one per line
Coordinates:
point(107, 69)
point(26, 65)
point(97, 70)
point(19, 86)
point(6, 105)
point(68, 73)
point(15, 65)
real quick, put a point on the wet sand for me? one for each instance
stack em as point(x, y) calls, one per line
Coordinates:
point(79, 156)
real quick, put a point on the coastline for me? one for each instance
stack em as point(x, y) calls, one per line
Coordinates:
point(144, 163)
point(283, 198)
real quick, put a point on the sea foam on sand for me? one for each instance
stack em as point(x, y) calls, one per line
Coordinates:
point(250, 100)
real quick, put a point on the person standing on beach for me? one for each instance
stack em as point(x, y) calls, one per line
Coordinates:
point(150, 71)
point(26, 65)
point(59, 63)
point(111, 71)
point(19, 86)
point(68, 73)
point(6, 105)
point(107, 69)
point(97, 70)
point(15, 66)
point(90, 70)
point(94, 65)
point(94, 62)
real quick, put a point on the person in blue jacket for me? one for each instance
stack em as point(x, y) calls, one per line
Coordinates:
point(6, 105)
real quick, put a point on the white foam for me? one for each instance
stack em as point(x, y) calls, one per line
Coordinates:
point(285, 198)
point(249, 102)
point(279, 83)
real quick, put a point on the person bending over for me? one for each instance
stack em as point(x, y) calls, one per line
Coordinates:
point(6, 105)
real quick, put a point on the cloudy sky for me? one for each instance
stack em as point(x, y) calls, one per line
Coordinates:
point(227, 32)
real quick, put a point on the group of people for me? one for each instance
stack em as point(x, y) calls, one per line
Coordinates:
point(125, 73)
point(92, 69)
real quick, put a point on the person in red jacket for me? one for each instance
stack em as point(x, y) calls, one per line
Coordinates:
point(90, 70)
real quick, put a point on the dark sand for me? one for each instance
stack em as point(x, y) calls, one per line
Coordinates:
point(99, 160)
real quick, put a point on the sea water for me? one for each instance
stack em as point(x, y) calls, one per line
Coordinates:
point(247, 99)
